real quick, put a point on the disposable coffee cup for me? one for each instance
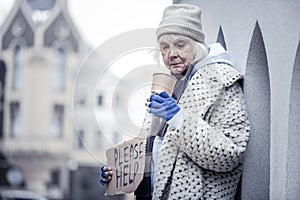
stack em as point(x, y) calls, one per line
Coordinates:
point(161, 82)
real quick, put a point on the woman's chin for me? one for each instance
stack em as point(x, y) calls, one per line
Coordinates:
point(176, 71)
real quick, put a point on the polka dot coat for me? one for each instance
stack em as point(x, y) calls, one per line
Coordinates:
point(202, 159)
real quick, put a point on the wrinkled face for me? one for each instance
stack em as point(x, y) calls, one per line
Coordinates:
point(178, 52)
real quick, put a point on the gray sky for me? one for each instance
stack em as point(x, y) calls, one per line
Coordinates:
point(99, 20)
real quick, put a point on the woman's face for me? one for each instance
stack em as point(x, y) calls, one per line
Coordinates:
point(178, 52)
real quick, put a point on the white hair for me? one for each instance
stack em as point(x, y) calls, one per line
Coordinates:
point(202, 51)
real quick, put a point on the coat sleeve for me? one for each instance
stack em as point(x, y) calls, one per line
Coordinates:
point(218, 141)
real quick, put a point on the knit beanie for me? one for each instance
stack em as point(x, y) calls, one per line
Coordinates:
point(182, 19)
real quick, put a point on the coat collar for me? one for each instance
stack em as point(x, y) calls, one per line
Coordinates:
point(217, 54)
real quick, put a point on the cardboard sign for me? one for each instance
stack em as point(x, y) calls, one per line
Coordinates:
point(127, 161)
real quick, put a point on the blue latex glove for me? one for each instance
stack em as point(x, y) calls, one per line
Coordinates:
point(163, 106)
point(105, 175)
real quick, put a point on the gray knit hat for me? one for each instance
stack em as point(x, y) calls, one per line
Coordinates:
point(182, 19)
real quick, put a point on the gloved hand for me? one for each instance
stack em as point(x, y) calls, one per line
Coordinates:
point(162, 105)
point(105, 175)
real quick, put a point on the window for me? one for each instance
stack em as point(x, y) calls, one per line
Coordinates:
point(39, 16)
point(79, 139)
point(17, 68)
point(15, 129)
point(54, 181)
point(100, 100)
point(57, 121)
point(59, 70)
point(55, 176)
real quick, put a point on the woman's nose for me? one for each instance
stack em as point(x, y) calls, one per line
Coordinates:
point(173, 52)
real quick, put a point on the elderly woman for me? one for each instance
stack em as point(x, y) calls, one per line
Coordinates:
point(199, 155)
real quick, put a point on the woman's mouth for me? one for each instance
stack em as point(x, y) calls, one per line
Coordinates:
point(175, 64)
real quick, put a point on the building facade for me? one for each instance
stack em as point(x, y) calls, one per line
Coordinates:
point(40, 52)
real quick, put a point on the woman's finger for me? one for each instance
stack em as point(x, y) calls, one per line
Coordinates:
point(105, 172)
point(107, 169)
point(160, 112)
point(109, 173)
point(104, 181)
point(157, 98)
point(154, 104)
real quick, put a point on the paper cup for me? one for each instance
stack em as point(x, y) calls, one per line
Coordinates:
point(163, 82)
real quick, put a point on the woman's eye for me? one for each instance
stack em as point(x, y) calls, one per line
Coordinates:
point(180, 45)
point(164, 48)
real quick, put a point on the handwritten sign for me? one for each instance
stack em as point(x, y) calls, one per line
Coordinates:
point(127, 161)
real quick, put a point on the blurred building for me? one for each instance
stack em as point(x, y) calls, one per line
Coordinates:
point(41, 50)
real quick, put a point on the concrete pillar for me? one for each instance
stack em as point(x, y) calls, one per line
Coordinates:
point(293, 158)
point(256, 174)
